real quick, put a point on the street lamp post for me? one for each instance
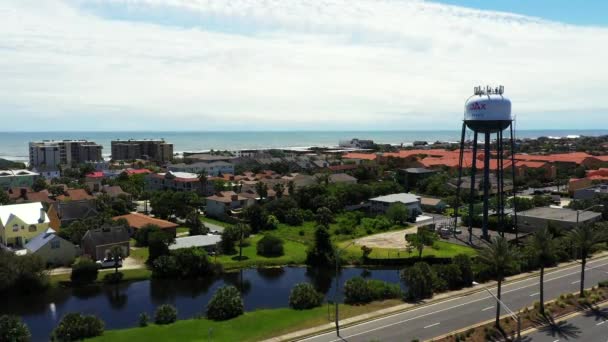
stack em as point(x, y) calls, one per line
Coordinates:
point(337, 286)
point(509, 311)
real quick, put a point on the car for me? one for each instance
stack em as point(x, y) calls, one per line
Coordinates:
point(108, 263)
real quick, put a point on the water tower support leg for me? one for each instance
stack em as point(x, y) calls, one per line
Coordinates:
point(486, 185)
point(472, 193)
point(461, 156)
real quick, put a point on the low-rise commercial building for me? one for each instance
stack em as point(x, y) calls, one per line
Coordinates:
point(591, 192)
point(537, 218)
point(382, 203)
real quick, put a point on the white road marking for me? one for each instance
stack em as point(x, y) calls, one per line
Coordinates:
point(448, 308)
point(600, 323)
point(556, 341)
point(432, 325)
point(575, 282)
point(488, 308)
point(534, 294)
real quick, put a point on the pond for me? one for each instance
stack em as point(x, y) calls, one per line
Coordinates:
point(119, 306)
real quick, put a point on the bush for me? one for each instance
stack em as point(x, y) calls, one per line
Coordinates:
point(75, 327)
point(22, 273)
point(165, 314)
point(226, 303)
point(270, 246)
point(190, 262)
point(360, 291)
point(449, 277)
point(143, 319)
point(142, 235)
point(463, 262)
point(84, 272)
point(420, 280)
point(13, 329)
point(158, 244)
point(113, 278)
point(304, 296)
point(165, 266)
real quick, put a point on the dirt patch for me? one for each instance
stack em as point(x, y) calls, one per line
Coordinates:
point(395, 239)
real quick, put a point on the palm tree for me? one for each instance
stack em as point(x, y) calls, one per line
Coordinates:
point(499, 258)
point(278, 188)
point(202, 178)
point(585, 238)
point(117, 255)
point(541, 247)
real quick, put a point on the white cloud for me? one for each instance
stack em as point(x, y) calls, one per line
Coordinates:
point(171, 64)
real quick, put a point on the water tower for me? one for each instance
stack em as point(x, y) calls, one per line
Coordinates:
point(487, 112)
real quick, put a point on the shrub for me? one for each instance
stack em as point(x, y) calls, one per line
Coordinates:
point(420, 280)
point(272, 222)
point(143, 319)
point(13, 329)
point(270, 246)
point(360, 291)
point(463, 262)
point(113, 278)
point(165, 314)
point(226, 303)
point(294, 217)
point(84, 271)
point(190, 262)
point(165, 266)
point(449, 277)
point(304, 296)
point(76, 326)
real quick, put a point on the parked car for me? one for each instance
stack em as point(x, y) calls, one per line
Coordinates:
point(108, 263)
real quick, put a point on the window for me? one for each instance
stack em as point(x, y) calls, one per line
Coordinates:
point(32, 228)
point(15, 227)
point(55, 244)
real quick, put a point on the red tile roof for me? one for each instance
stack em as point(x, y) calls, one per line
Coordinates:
point(75, 195)
point(137, 171)
point(574, 157)
point(342, 167)
point(365, 156)
point(137, 221)
point(95, 174)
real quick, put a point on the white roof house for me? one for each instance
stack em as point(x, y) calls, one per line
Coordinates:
point(404, 198)
point(209, 240)
point(29, 213)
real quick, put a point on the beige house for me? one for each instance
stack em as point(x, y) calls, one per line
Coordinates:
point(53, 249)
point(19, 223)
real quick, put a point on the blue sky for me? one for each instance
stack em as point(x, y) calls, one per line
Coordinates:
point(588, 12)
point(297, 64)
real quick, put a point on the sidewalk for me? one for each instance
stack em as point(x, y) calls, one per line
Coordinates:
point(408, 306)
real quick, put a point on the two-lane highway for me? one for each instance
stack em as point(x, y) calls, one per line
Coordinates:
point(588, 326)
point(429, 321)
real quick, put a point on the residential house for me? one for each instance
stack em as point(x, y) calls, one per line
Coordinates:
point(62, 213)
point(93, 180)
point(52, 248)
point(431, 204)
point(410, 177)
point(19, 223)
point(17, 178)
point(138, 221)
point(591, 192)
point(114, 191)
point(174, 181)
point(342, 178)
point(226, 203)
point(382, 203)
point(214, 168)
point(208, 242)
point(25, 195)
point(48, 173)
point(97, 243)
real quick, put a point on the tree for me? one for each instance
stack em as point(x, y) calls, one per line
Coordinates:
point(499, 258)
point(256, 217)
point(291, 188)
point(4, 199)
point(463, 262)
point(158, 244)
point(324, 217)
point(321, 254)
point(542, 249)
point(39, 184)
point(13, 329)
point(142, 235)
point(303, 296)
point(226, 303)
point(294, 217)
point(586, 239)
point(278, 188)
point(84, 271)
point(76, 327)
point(419, 280)
point(195, 225)
point(74, 231)
point(398, 213)
point(272, 222)
point(117, 255)
point(262, 190)
point(270, 246)
point(422, 238)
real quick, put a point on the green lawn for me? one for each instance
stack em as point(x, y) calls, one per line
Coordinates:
point(214, 221)
point(140, 253)
point(252, 326)
point(128, 275)
point(183, 230)
point(440, 249)
point(295, 254)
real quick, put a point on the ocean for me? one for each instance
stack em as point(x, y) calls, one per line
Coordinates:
point(14, 145)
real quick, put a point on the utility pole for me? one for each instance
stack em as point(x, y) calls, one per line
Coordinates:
point(337, 285)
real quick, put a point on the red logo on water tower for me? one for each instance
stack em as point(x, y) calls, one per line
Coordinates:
point(477, 106)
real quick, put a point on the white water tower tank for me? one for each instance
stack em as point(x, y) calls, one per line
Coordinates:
point(488, 112)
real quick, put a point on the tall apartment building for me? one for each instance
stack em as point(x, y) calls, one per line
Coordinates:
point(50, 153)
point(150, 149)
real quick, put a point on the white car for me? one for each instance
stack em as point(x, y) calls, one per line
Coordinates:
point(108, 263)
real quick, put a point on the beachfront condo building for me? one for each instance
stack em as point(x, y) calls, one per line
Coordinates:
point(50, 153)
point(150, 149)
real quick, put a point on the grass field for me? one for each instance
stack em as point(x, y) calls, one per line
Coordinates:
point(214, 221)
point(183, 230)
point(252, 326)
point(128, 275)
point(295, 254)
point(440, 249)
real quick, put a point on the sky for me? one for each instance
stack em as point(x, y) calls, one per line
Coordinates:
point(297, 64)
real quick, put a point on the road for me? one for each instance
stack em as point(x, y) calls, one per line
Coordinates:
point(589, 326)
point(430, 321)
